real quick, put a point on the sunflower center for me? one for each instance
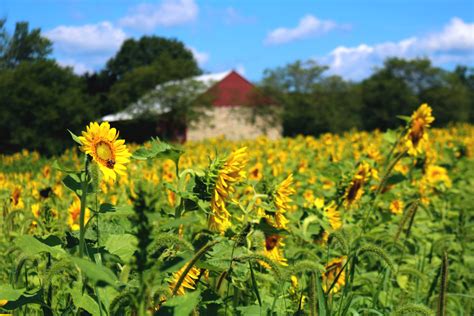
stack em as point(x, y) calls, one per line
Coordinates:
point(104, 152)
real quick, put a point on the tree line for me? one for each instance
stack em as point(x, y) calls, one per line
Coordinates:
point(40, 99)
point(314, 103)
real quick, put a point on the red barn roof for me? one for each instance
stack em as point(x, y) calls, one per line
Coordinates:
point(232, 90)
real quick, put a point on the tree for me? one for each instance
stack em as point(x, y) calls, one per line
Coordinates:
point(313, 104)
point(141, 80)
point(400, 86)
point(24, 45)
point(40, 101)
point(139, 66)
point(146, 51)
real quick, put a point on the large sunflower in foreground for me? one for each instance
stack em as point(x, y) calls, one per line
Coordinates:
point(416, 137)
point(102, 144)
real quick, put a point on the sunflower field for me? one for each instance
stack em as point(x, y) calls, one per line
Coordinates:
point(377, 223)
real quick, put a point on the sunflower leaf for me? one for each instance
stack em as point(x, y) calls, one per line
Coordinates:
point(75, 137)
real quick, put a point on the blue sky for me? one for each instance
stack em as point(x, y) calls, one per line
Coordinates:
point(351, 37)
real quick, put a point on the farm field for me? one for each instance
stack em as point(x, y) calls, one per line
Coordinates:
point(363, 223)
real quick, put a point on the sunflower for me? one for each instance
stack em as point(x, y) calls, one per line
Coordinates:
point(74, 212)
point(333, 216)
point(333, 269)
point(397, 206)
point(255, 172)
point(355, 188)
point(110, 153)
point(189, 281)
point(416, 137)
point(436, 174)
point(272, 250)
point(282, 200)
point(230, 173)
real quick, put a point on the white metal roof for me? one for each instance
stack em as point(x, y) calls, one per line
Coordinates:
point(136, 108)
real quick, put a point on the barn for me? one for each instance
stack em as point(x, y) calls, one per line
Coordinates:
point(231, 114)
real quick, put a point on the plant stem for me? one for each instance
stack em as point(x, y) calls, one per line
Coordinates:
point(82, 232)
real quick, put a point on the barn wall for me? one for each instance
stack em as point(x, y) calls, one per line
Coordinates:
point(231, 122)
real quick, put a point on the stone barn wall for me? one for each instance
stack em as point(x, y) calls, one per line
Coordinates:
point(233, 124)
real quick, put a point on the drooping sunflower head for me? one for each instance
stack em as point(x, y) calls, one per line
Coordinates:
point(282, 194)
point(355, 189)
point(273, 251)
point(230, 172)
point(189, 281)
point(102, 144)
point(333, 271)
point(419, 123)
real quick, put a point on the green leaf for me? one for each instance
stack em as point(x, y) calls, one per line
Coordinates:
point(158, 149)
point(83, 300)
point(395, 178)
point(32, 246)
point(251, 310)
point(122, 246)
point(57, 166)
point(184, 305)
point(390, 136)
point(75, 137)
point(320, 295)
point(18, 297)
point(404, 118)
point(98, 274)
point(109, 208)
point(7, 292)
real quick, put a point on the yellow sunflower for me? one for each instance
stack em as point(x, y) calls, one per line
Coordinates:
point(333, 269)
point(436, 174)
point(272, 250)
point(417, 137)
point(102, 144)
point(74, 213)
point(356, 187)
point(189, 281)
point(282, 200)
point(397, 206)
point(333, 216)
point(231, 172)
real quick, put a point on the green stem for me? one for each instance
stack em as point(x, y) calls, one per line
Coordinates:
point(82, 232)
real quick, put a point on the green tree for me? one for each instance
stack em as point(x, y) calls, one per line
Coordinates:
point(143, 79)
point(139, 66)
point(312, 104)
point(146, 51)
point(23, 45)
point(40, 101)
point(400, 86)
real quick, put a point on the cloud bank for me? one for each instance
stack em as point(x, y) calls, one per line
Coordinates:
point(453, 44)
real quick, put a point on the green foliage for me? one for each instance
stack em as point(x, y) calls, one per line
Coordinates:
point(23, 45)
point(43, 100)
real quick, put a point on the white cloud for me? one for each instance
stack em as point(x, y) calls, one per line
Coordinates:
point(100, 37)
point(455, 43)
point(78, 67)
point(457, 35)
point(201, 57)
point(146, 17)
point(308, 26)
